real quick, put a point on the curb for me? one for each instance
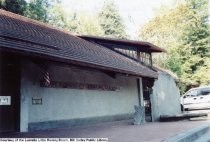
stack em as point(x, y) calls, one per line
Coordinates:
point(165, 118)
point(190, 135)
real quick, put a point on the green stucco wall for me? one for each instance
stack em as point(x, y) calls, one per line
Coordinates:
point(72, 104)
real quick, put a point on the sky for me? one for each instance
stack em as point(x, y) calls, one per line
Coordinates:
point(135, 13)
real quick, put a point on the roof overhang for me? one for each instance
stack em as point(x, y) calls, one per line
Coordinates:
point(141, 45)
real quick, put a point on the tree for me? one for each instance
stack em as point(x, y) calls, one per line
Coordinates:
point(52, 12)
point(57, 16)
point(165, 31)
point(165, 26)
point(35, 9)
point(38, 10)
point(89, 25)
point(195, 49)
point(184, 33)
point(15, 6)
point(80, 24)
point(111, 22)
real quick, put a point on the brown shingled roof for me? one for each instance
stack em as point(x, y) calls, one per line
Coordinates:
point(141, 45)
point(27, 36)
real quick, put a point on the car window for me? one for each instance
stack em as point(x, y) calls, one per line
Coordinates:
point(205, 91)
point(191, 93)
point(186, 96)
point(200, 92)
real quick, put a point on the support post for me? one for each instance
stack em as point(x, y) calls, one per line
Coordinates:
point(139, 115)
point(141, 92)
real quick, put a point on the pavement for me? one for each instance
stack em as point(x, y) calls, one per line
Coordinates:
point(121, 131)
point(192, 135)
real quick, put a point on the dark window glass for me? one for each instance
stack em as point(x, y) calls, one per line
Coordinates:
point(145, 58)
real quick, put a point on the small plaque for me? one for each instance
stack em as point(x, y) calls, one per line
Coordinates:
point(36, 101)
point(5, 100)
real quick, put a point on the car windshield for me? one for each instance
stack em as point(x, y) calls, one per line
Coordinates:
point(191, 93)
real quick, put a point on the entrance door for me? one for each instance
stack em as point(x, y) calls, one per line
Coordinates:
point(9, 93)
point(147, 90)
point(147, 105)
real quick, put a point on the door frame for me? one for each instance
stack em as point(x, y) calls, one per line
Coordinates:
point(7, 58)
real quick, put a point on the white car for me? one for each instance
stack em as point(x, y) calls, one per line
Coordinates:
point(196, 98)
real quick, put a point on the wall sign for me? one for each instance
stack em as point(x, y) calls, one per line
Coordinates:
point(36, 101)
point(5, 100)
point(57, 84)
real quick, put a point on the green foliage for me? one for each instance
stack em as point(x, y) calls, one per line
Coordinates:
point(15, 6)
point(73, 23)
point(38, 10)
point(173, 61)
point(165, 31)
point(111, 22)
point(89, 25)
point(184, 33)
point(52, 12)
point(80, 24)
point(57, 16)
point(195, 47)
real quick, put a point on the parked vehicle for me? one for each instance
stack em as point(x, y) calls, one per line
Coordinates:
point(196, 98)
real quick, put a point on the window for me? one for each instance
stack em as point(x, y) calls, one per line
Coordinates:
point(130, 53)
point(145, 58)
point(191, 93)
point(204, 91)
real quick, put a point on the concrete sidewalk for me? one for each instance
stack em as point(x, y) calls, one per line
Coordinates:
point(122, 131)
